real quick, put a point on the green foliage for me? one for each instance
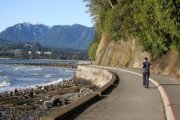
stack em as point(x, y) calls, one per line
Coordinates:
point(97, 7)
point(119, 21)
point(155, 23)
point(92, 50)
point(158, 29)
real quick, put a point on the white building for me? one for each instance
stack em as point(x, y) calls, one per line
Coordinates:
point(38, 52)
point(47, 53)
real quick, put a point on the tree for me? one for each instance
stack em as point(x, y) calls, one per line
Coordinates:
point(155, 23)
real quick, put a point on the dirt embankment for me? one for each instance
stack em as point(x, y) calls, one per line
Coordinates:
point(129, 54)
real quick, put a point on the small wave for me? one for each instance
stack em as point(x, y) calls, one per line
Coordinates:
point(16, 69)
point(19, 68)
point(67, 70)
point(49, 83)
point(36, 68)
point(27, 69)
point(5, 84)
point(5, 77)
point(33, 69)
point(48, 76)
point(55, 82)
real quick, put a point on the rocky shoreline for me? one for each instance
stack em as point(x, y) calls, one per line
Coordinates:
point(31, 104)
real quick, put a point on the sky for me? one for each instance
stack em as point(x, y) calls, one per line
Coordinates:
point(48, 12)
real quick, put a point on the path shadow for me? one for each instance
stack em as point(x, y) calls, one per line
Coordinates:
point(112, 87)
point(75, 113)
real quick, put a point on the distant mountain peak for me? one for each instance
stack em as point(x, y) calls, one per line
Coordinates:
point(26, 24)
point(29, 24)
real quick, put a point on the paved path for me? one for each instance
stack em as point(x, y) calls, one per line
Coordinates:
point(172, 87)
point(128, 101)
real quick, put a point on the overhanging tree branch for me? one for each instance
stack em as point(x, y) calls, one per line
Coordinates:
point(111, 3)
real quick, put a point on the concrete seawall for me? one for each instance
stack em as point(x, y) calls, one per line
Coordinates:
point(97, 76)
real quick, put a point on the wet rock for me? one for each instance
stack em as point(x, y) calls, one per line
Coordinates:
point(26, 96)
point(11, 93)
point(52, 102)
point(2, 113)
point(56, 102)
point(67, 84)
point(16, 92)
point(85, 91)
point(64, 101)
point(31, 93)
point(47, 105)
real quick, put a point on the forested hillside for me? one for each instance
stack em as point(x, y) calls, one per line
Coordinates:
point(133, 29)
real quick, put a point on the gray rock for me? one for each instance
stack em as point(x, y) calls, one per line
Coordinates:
point(85, 91)
point(47, 105)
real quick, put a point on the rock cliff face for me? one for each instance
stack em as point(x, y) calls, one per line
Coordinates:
point(129, 54)
point(168, 64)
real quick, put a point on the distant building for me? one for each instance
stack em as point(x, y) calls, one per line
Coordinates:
point(29, 52)
point(17, 52)
point(38, 52)
point(48, 53)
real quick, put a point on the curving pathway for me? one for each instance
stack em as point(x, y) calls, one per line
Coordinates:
point(128, 101)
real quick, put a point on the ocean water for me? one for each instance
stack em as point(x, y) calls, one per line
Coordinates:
point(20, 77)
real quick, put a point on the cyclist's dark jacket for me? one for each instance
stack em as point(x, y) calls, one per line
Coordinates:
point(146, 66)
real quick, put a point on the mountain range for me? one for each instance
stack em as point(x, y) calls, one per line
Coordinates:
point(59, 36)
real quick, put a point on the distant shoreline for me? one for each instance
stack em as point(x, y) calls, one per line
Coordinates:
point(40, 62)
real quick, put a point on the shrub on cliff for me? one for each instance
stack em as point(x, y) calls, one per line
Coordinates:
point(118, 22)
point(93, 48)
point(158, 25)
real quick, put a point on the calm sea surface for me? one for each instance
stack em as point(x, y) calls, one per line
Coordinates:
point(16, 76)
